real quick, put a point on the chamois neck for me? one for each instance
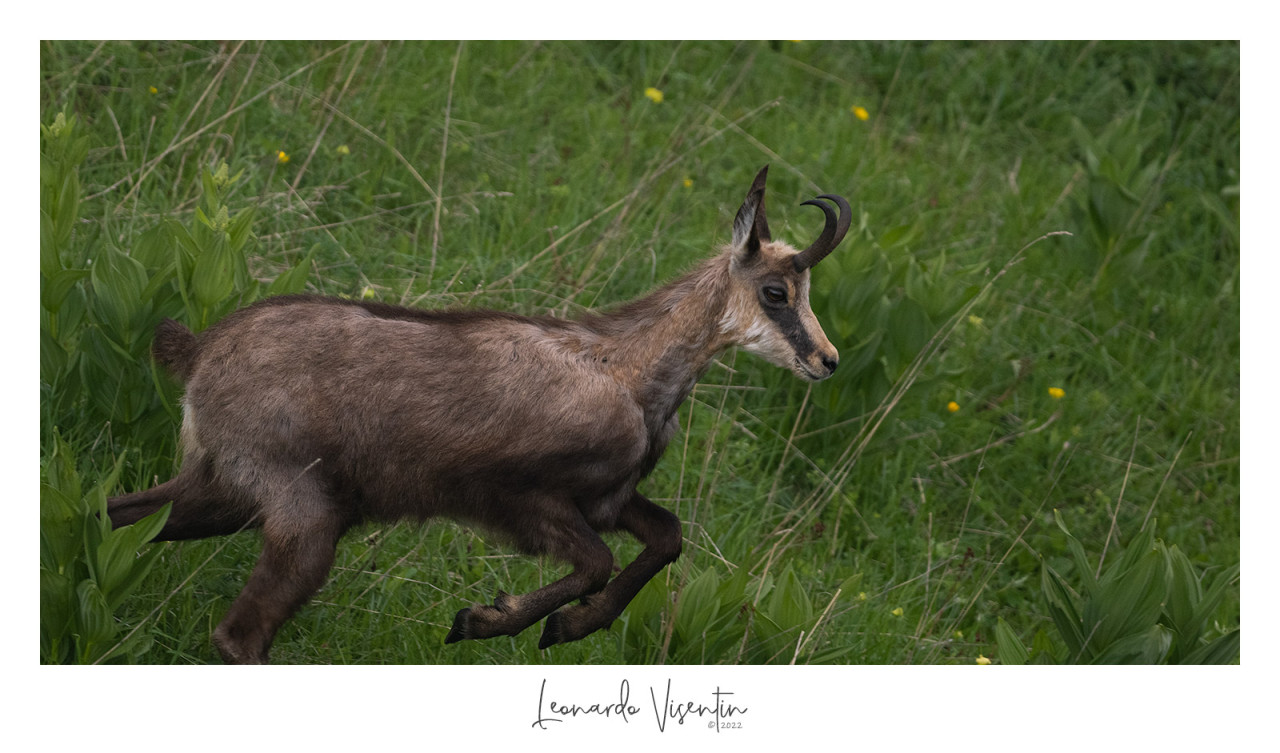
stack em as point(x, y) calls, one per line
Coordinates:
point(660, 344)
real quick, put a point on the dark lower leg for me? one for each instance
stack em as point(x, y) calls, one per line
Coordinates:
point(198, 510)
point(661, 534)
point(508, 615)
point(291, 569)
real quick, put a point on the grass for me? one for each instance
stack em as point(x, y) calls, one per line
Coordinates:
point(860, 515)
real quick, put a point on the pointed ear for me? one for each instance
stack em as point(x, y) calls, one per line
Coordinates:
point(750, 228)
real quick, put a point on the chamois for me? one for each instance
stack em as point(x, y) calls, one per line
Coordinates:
point(305, 415)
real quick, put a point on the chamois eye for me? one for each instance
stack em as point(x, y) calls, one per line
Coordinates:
point(774, 294)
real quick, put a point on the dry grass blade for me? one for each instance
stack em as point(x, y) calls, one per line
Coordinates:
point(444, 152)
point(1163, 481)
point(1115, 512)
point(806, 640)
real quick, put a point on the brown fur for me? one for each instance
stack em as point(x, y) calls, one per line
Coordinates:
point(305, 415)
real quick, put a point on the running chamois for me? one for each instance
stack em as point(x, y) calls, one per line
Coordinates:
point(306, 415)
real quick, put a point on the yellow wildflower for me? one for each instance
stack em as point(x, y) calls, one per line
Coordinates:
point(654, 94)
point(153, 90)
point(860, 112)
point(983, 660)
point(862, 596)
point(688, 182)
point(1056, 393)
point(958, 635)
point(281, 157)
point(897, 612)
point(344, 150)
point(953, 406)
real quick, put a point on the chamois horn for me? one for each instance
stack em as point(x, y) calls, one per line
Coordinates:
point(832, 233)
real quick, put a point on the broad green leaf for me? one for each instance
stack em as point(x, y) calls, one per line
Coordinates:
point(238, 232)
point(130, 570)
point(1043, 649)
point(55, 288)
point(154, 247)
point(1212, 596)
point(117, 282)
point(209, 186)
point(184, 242)
point(1009, 650)
point(60, 535)
point(58, 601)
point(1223, 650)
point(94, 619)
point(698, 604)
point(789, 605)
point(1078, 555)
point(67, 211)
point(898, 235)
point(295, 279)
point(1063, 611)
point(212, 278)
point(149, 527)
point(1146, 647)
point(1127, 601)
point(50, 258)
point(1139, 547)
point(734, 589)
point(849, 587)
point(164, 275)
point(61, 472)
point(118, 563)
point(1185, 594)
point(96, 498)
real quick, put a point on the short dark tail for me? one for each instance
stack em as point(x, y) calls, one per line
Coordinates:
point(175, 347)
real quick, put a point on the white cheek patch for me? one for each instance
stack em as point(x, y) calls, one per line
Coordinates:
point(762, 338)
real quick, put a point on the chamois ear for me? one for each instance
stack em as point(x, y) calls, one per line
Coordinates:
point(750, 228)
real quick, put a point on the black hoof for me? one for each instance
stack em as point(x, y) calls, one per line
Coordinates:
point(483, 621)
point(553, 632)
point(460, 623)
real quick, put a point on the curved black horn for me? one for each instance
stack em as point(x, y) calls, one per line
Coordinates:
point(832, 233)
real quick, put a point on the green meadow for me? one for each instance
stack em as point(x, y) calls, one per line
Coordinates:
point(1029, 454)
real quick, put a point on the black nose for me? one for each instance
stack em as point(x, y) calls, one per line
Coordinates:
point(831, 364)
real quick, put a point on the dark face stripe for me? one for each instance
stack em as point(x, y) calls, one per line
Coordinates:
point(792, 328)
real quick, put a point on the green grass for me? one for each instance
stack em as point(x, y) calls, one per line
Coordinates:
point(539, 178)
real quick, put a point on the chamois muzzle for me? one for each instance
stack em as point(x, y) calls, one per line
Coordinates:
point(832, 233)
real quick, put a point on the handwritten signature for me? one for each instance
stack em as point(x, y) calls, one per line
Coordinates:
point(720, 714)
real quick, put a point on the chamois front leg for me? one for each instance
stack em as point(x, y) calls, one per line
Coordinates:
point(572, 540)
point(659, 530)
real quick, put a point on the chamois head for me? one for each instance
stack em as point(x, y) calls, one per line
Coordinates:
point(768, 312)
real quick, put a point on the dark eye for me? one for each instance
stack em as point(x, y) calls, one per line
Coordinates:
point(774, 294)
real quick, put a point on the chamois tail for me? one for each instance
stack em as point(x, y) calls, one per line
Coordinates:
point(175, 347)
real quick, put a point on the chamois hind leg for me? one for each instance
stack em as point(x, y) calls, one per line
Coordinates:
point(300, 534)
point(571, 539)
point(659, 530)
point(199, 509)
